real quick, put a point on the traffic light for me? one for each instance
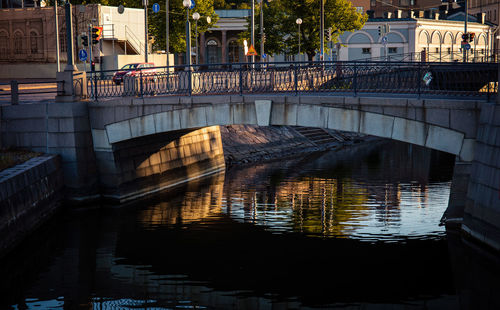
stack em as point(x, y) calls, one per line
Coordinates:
point(92, 66)
point(471, 36)
point(328, 34)
point(465, 37)
point(380, 31)
point(85, 40)
point(96, 34)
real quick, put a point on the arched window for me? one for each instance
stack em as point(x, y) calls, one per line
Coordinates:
point(233, 51)
point(34, 42)
point(18, 43)
point(4, 47)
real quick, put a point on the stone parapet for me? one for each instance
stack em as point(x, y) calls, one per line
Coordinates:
point(29, 194)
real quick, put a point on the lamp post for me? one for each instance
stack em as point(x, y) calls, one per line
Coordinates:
point(298, 21)
point(57, 37)
point(252, 29)
point(167, 34)
point(145, 3)
point(322, 31)
point(187, 4)
point(196, 16)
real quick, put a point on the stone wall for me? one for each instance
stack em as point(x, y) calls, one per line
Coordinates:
point(29, 194)
point(137, 167)
point(482, 209)
point(55, 128)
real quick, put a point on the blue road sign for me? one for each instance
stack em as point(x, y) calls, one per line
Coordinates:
point(156, 8)
point(193, 4)
point(82, 54)
point(467, 46)
point(264, 56)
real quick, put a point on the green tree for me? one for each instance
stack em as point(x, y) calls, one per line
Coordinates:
point(281, 29)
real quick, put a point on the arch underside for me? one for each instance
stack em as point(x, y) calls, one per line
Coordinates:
point(266, 113)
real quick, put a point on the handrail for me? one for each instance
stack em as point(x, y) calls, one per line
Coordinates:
point(137, 43)
point(14, 92)
point(464, 80)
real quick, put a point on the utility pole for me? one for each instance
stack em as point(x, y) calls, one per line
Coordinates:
point(252, 26)
point(168, 45)
point(146, 41)
point(70, 66)
point(262, 36)
point(57, 37)
point(322, 31)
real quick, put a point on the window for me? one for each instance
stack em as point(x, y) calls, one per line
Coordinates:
point(234, 51)
point(359, 9)
point(18, 43)
point(404, 2)
point(448, 51)
point(366, 50)
point(413, 2)
point(4, 39)
point(34, 42)
point(373, 3)
point(393, 50)
point(212, 52)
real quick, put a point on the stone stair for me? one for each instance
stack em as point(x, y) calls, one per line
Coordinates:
point(320, 136)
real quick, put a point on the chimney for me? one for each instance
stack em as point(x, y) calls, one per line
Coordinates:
point(411, 14)
point(481, 17)
point(371, 13)
point(387, 14)
point(398, 14)
point(436, 16)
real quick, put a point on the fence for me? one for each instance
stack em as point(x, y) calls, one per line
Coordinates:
point(13, 91)
point(447, 79)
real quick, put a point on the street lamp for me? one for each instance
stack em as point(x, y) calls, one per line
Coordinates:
point(298, 21)
point(187, 4)
point(196, 16)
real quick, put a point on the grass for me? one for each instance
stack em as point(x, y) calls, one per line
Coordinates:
point(12, 157)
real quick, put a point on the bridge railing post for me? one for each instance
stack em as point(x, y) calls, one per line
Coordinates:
point(241, 80)
point(355, 79)
point(14, 92)
point(95, 85)
point(296, 79)
point(141, 93)
point(419, 74)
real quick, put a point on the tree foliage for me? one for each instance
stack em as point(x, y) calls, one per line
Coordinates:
point(281, 30)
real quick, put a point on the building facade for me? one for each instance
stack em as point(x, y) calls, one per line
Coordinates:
point(412, 38)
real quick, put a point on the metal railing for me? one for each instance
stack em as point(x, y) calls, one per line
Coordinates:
point(133, 41)
point(419, 78)
point(14, 91)
point(444, 56)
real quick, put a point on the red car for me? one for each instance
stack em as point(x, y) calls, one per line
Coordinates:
point(144, 69)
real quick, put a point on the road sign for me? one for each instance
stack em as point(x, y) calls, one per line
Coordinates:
point(264, 56)
point(251, 51)
point(467, 46)
point(82, 54)
point(121, 9)
point(384, 40)
point(156, 8)
point(193, 4)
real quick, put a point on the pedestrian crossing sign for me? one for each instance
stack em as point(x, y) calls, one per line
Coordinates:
point(251, 51)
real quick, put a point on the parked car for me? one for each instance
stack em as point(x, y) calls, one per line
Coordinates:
point(147, 70)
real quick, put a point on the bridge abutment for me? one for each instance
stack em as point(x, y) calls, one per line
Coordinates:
point(482, 209)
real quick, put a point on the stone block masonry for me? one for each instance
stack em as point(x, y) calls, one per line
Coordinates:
point(29, 194)
point(137, 167)
point(55, 128)
point(482, 209)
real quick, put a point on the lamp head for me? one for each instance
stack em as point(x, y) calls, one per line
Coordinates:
point(298, 21)
point(196, 15)
point(186, 3)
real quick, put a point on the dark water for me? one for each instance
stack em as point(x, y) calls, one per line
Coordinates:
point(354, 229)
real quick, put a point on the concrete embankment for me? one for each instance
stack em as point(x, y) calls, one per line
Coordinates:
point(249, 143)
point(29, 195)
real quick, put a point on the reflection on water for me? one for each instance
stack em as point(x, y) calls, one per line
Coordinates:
point(352, 229)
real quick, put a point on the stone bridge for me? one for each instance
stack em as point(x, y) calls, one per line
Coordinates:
point(125, 148)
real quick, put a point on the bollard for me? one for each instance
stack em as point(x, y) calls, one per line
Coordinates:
point(14, 92)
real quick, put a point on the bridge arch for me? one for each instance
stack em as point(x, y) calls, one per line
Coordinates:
point(265, 113)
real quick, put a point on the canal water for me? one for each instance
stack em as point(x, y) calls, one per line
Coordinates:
point(357, 228)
